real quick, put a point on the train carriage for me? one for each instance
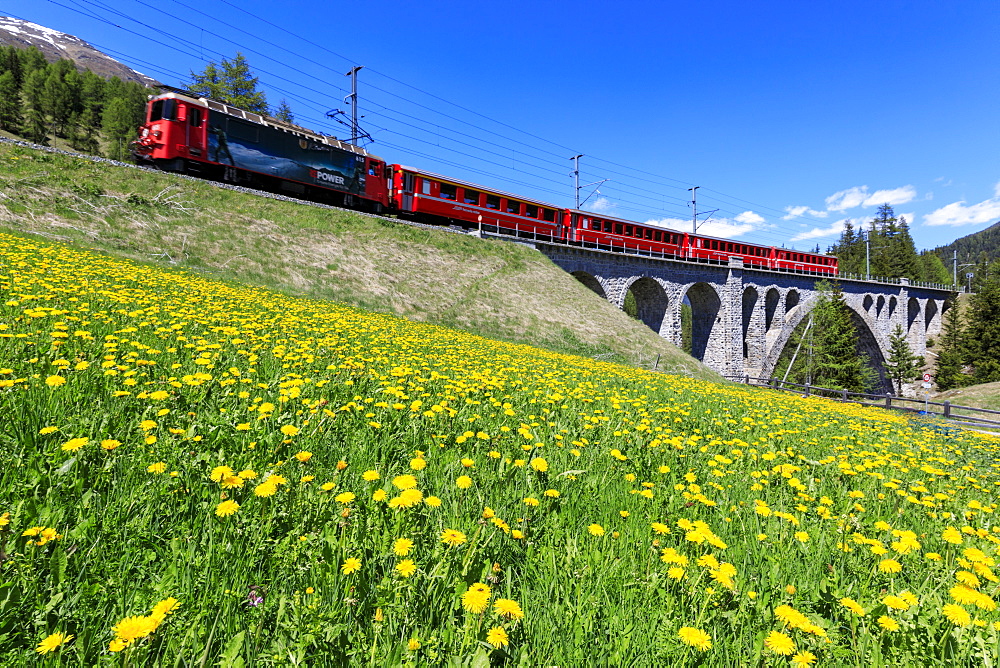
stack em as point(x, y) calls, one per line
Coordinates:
point(595, 230)
point(427, 196)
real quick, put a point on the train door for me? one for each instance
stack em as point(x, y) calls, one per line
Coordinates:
point(196, 131)
point(409, 183)
point(574, 227)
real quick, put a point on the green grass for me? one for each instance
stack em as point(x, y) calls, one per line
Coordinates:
point(615, 507)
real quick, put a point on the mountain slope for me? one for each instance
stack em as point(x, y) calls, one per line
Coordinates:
point(55, 45)
point(969, 247)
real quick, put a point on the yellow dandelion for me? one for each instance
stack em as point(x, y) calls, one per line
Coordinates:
point(350, 565)
point(226, 508)
point(53, 642)
point(779, 643)
point(497, 637)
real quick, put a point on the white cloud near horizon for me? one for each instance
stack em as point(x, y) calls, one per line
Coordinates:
point(820, 232)
point(600, 205)
point(959, 213)
point(796, 211)
point(996, 189)
point(843, 200)
point(893, 197)
point(714, 227)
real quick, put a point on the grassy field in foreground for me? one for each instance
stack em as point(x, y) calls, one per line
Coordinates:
point(194, 473)
point(495, 289)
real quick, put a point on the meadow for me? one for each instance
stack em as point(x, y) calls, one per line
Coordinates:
point(198, 473)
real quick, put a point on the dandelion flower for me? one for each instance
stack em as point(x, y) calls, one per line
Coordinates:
point(370, 475)
point(433, 501)
point(291, 430)
point(506, 607)
point(779, 643)
point(52, 642)
point(344, 498)
point(404, 481)
point(803, 659)
point(452, 537)
point(55, 381)
point(74, 444)
point(895, 602)
point(350, 565)
point(406, 568)
point(539, 464)
point(888, 623)
point(802, 536)
point(219, 473)
point(497, 637)
point(476, 598)
point(695, 638)
point(853, 606)
point(418, 463)
point(413, 645)
point(110, 444)
point(402, 546)
point(226, 508)
point(595, 530)
point(661, 528)
point(303, 456)
point(675, 573)
point(231, 482)
point(131, 629)
point(956, 614)
point(889, 566)
point(463, 482)
point(165, 607)
point(157, 468)
point(265, 489)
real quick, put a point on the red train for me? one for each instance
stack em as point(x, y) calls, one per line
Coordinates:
point(214, 140)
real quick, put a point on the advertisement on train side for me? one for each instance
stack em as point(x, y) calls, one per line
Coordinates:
point(267, 150)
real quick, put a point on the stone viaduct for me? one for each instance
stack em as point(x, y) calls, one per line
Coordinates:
point(742, 317)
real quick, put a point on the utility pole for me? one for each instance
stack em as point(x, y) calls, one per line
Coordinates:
point(694, 209)
point(353, 97)
point(954, 268)
point(576, 177)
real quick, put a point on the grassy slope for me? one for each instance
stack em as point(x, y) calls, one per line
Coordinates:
point(500, 290)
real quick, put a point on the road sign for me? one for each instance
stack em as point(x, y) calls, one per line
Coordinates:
point(969, 275)
point(927, 378)
point(926, 385)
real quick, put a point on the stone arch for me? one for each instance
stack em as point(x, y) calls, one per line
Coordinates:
point(792, 299)
point(879, 305)
point(863, 322)
point(931, 318)
point(892, 309)
point(913, 320)
point(591, 282)
point(706, 307)
point(651, 302)
point(867, 303)
point(750, 297)
point(771, 300)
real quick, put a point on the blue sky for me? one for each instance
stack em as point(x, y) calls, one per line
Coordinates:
point(790, 117)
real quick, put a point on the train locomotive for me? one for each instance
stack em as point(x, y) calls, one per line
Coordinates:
point(214, 140)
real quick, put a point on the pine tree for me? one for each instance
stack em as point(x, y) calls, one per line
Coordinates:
point(836, 359)
point(901, 364)
point(948, 370)
point(233, 82)
point(284, 113)
point(10, 103)
point(34, 127)
point(982, 335)
point(932, 269)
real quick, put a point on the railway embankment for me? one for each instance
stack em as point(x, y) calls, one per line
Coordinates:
point(495, 289)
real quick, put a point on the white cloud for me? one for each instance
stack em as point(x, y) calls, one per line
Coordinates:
point(959, 213)
point(892, 197)
point(796, 211)
point(910, 217)
point(847, 199)
point(996, 189)
point(600, 205)
point(820, 232)
point(749, 217)
point(713, 227)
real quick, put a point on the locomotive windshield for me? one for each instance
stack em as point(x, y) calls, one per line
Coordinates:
point(163, 110)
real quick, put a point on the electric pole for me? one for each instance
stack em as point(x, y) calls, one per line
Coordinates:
point(694, 209)
point(353, 97)
point(576, 177)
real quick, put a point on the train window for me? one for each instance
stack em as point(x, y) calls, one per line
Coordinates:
point(628, 230)
point(471, 196)
point(549, 215)
point(449, 191)
point(492, 201)
point(426, 186)
point(513, 207)
point(619, 228)
point(531, 211)
point(658, 236)
point(194, 117)
point(163, 110)
point(648, 233)
point(714, 245)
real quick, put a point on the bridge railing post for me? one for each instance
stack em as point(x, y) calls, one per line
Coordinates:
point(947, 408)
point(888, 400)
point(843, 394)
point(807, 389)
